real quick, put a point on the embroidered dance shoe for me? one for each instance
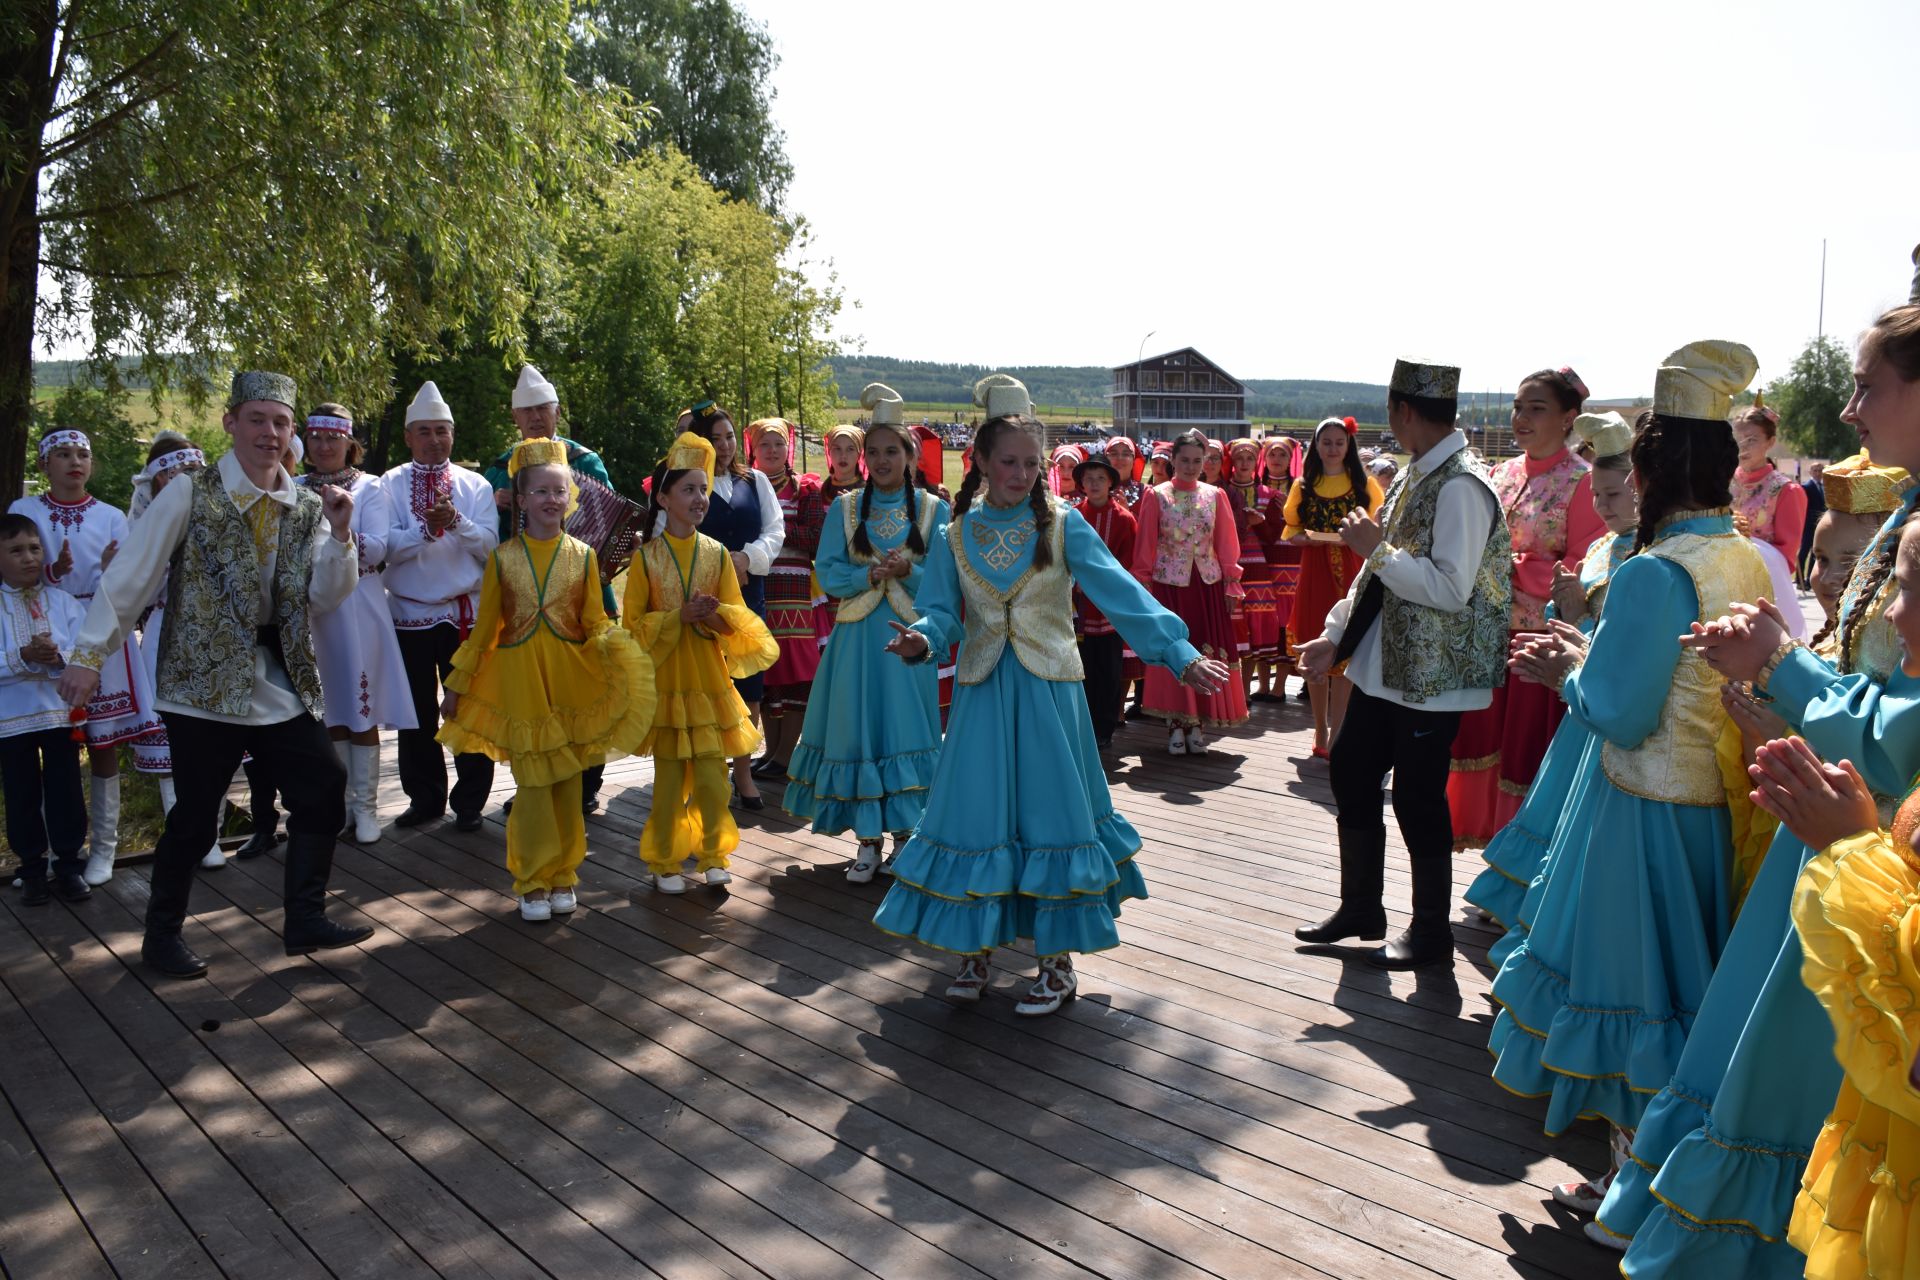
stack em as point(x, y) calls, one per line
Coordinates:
point(562, 901)
point(169, 956)
point(1605, 1238)
point(72, 887)
point(317, 933)
point(1196, 743)
point(670, 884)
point(1056, 984)
point(1581, 1197)
point(971, 982)
point(717, 876)
point(865, 863)
point(899, 843)
point(536, 910)
point(1176, 743)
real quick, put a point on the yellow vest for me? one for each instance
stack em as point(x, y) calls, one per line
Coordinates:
point(1677, 763)
point(1035, 614)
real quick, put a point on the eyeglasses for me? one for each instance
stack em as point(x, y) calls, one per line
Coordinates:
point(562, 494)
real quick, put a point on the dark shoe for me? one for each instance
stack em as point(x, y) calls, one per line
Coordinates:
point(72, 887)
point(317, 933)
point(169, 956)
point(506, 810)
point(33, 893)
point(258, 843)
point(1413, 950)
point(1369, 924)
point(415, 816)
point(752, 804)
point(589, 804)
point(771, 770)
point(467, 822)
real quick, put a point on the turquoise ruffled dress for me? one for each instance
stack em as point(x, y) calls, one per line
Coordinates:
point(871, 736)
point(1596, 1002)
point(1020, 838)
point(1718, 1158)
point(1518, 851)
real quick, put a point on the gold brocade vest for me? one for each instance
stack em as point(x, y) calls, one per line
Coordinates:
point(213, 604)
point(528, 601)
point(1676, 764)
point(664, 590)
point(1035, 614)
point(893, 590)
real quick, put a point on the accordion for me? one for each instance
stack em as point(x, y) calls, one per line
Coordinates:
point(606, 522)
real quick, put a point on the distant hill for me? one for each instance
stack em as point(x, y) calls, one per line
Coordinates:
point(1086, 387)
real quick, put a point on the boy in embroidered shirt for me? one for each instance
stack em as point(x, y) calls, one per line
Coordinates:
point(39, 757)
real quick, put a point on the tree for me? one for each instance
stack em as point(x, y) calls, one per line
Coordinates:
point(702, 65)
point(310, 185)
point(1809, 398)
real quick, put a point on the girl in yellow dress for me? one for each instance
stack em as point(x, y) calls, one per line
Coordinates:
point(546, 682)
point(684, 605)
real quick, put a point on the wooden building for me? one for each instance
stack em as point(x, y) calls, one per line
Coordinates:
point(1164, 395)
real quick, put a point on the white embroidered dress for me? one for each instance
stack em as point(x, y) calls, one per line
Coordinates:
point(361, 677)
point(123, 710)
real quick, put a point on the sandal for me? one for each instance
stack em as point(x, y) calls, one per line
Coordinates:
point(1056, 984)
point(971, 982)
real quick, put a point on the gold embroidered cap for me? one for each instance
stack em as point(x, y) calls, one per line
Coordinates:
point(692, 453)
point(544, 451)
point(1701, 379)
point(257, 384)
point(1001, 395)
point(883, 404)
point(1856, 486)
point(1423, 378)
point(1608, 433)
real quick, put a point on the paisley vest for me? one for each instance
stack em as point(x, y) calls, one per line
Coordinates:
point(213, 604)
point(1186, 535)
point(893, 590)
point(1034, 615)
point(1677, 763)
point(529, 601)
point(1426, 651)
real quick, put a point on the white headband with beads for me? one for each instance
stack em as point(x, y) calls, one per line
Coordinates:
point(63, 439)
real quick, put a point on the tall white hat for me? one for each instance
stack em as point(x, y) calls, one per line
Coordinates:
point(428, 406)
point(883, 403)
point(533, 388)
point(1001, 395)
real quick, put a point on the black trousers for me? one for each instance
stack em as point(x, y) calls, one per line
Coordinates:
point(1376, 736)
point(428, 656)
point(46, 803)
point(1103, 657)
point(297, 755)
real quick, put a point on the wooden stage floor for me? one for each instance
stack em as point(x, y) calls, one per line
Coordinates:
point(758, 1083)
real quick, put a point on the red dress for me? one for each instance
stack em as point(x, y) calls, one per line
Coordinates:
point(1260, 615)
point(790, 595)
point(1186, 535)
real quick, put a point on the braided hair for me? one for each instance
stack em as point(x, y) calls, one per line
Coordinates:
point(915, 543)
point(983, 446)
point(1685, 464)
point(663, 480)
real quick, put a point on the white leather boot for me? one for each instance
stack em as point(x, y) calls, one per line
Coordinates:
point(103, 827)
point(168, 797)
point(216, 857)
point(363, 793)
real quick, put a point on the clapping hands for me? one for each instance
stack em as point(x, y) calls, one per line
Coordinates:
point(1819, 802)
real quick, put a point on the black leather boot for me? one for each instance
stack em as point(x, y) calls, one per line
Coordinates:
point(1429, 939)
point(1363, 870)
point(266, 834)
point(309, 866)
point(168, 955)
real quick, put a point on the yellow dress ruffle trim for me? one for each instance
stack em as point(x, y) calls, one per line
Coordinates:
point(1857, 907)
point(545, 747)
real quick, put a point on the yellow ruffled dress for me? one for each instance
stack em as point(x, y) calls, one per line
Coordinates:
point(547, 682)
point(701, 722)
point(1857, 907)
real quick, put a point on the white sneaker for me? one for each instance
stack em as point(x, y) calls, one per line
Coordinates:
point(536, 910)
point(670, 884)
point(719, 875)
point(1196, 743)
point(561, 901)
point(1176, 743)
point(215, 858)
point(865, 863)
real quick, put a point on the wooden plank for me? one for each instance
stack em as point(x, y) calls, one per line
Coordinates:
point(41, 1233)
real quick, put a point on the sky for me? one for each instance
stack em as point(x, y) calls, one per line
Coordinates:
point(1310, 190)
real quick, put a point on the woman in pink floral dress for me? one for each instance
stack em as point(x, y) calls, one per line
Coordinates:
point(1547, 494)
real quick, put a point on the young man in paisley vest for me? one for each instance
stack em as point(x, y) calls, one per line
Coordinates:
point(248, 557)
point(444, 527)
point(1424, 634)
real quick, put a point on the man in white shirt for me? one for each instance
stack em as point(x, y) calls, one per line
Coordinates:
point(253, 556)
point(445, 526)
point(1424, 635)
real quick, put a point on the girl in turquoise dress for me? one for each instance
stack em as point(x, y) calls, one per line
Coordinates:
point(1518, 851)
point(1020, 838)
point(1719, 1157)
point(1597, 1000)
point(869, 744)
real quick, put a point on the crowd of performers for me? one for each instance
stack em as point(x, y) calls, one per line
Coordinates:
point(1698, 823)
